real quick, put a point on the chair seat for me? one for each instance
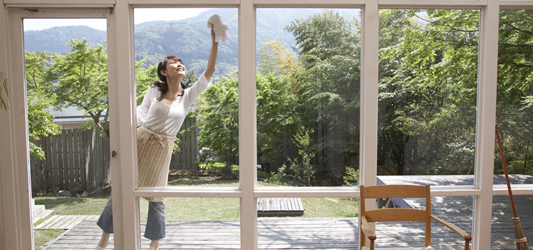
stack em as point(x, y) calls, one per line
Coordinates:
point(402, 248)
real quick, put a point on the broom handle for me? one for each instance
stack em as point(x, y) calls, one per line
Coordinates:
point(505, 170)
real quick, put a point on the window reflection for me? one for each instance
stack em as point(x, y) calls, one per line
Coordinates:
point(427, 92)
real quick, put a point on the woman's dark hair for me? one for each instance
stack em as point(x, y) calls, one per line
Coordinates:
point(162, 85)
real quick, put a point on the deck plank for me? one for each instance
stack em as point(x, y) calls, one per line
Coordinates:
point(279, 207)
point(273, 233)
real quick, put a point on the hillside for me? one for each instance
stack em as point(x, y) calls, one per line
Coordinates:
point(54, 40)
point(188, 38)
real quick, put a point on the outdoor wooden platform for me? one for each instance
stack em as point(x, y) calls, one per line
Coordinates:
point(279, 207)
point(458, 210)
point(64, 221)
point(330, 233)
point(273, 233)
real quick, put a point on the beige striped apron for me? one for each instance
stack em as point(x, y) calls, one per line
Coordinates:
point(154, 152)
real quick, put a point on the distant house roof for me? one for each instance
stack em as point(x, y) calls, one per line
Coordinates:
point(69, 116)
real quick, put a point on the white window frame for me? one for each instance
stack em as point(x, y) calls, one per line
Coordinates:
point(14, 164)
point(16, 221)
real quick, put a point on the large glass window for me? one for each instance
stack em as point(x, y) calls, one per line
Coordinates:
point(513, 117)
point(206, 147)
point(308, 92)
point(515, 95)
point(67, 82)
point(427, 93)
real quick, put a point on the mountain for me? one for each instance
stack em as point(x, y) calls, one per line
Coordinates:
point(54, 40)
point(188, 39)
point(189, 42)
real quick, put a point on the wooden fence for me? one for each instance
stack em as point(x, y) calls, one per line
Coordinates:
point(79, 159)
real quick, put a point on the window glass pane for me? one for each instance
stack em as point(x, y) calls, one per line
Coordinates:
point(206, 146)
point(67, 122)
point(192, 223)
point(457, 210)
point(503, 229)
point(515, 96)
point(307, 223)
point(308, 93)
point(427, 93)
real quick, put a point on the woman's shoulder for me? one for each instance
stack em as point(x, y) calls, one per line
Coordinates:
point(153, 91)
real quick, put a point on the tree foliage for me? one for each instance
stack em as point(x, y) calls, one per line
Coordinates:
point(40, 97)
point(218, 120)
point(328, 85)
point(428, 88)
point(515, 89)
point(80, 80)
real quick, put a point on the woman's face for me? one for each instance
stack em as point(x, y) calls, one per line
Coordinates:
point(175, 68)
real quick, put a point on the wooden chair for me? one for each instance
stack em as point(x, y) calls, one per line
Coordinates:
point(400, 214)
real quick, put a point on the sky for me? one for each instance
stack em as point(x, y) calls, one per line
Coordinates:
point(141, 15)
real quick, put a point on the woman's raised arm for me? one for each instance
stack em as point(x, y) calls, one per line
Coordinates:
point(212, 57)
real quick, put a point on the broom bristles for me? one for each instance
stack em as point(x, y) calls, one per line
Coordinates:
point(521, 241)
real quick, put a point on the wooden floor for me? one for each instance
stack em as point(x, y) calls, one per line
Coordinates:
point(64, 221)
point(330, 233)
point(273, 233)
point(279, 207)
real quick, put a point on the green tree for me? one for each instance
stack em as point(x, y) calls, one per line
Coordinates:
point(80, 80)
point(218, 120)
point(329, 84)
point(277, 117)
point(217, 117)
point(40, 121)
point(515, 90)
point(428, 88)
point(276, 59)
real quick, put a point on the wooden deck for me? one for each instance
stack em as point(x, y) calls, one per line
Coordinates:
point(458, 210)
point(330, 233)
point(279, 207)
point(273, 233)
point(291, 233)
point(64, 221)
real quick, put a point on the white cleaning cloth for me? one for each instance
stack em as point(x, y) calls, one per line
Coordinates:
point(221, 29)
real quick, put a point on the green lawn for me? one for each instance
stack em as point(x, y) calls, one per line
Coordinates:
point(187, 209)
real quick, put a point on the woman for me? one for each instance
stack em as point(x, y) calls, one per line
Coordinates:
point(160, 116)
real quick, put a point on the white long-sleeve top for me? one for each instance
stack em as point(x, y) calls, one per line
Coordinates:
point(160, 117)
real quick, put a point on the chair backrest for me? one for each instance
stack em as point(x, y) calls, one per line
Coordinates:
point(397, 214)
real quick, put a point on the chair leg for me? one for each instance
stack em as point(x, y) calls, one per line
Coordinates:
point(467, 244)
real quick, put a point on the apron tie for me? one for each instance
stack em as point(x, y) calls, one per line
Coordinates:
point(159, 137)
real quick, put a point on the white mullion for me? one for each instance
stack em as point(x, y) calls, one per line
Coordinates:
point(223, 192)
point(369, 93)
point(247, 125)
point(416, 4)
point(6, 149)
point(184, 3)
point(272, 192)
point(486, 118)
point(369, 100)
point(309, 3)
point(527, 4)
point(16, 189)
point(22, 169)
point(518, 189)
point(123, 132)
point(58, 3)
